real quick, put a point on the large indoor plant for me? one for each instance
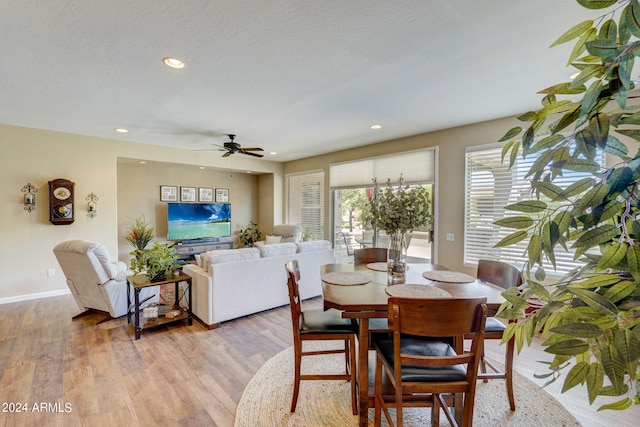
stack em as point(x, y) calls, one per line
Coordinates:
point(250, 235)
point(398, 209)
point(156, 262)
point(589, 318)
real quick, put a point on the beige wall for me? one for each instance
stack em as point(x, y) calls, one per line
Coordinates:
point(38, 156)
point(450, 184)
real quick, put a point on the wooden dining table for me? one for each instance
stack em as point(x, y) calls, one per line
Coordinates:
point(369, 301)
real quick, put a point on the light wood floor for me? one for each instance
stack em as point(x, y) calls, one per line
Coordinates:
point(63, 372)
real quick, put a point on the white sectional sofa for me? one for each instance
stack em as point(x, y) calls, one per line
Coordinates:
point(228, 284)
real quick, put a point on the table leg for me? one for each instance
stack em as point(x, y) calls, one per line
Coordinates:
point(363, 372)
point(136, 308)
point(190, 312)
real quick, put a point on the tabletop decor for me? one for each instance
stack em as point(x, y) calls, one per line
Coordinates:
point(398, 209)
point(597, 216)
point(156, 262)
point(448, 276)
point(409, 290)
point(346, 278)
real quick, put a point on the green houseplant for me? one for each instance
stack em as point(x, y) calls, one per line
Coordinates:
point(591, 316)
point(155, 261)
point(398, 209)
point(249, 235)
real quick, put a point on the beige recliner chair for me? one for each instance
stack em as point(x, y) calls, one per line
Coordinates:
point(95, 282)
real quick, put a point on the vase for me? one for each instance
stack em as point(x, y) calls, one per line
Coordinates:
point(397, 258)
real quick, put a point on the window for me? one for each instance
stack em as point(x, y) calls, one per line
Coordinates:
point(305, 201)
point(490, 186)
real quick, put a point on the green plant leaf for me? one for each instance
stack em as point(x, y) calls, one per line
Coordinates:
point(511, 133)
point(605, 49)
point(563, 220)
point(597, 281)
point(615, 147)
point(595, 4)
point(574, 32)
point(620, 291)
point(631, 133)
point(596, 236)
point(609, 31)
point(633, 259)
point(512, 239)
point(578, 330)
point(527, 206)
point(578, 187)
point(570, 347)
point(517, 222)
point(595, 379)
point(549, 189)
point(580, 165)
point(612, 254)
point(631, 17)
point(590, 71)
point(534, 249)
point(594, 300)
point(547, 142)
point(563, 89)
point(577, 375)
point(618, 406)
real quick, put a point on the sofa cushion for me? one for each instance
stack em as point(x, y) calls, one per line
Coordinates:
point(273, 239)
point(228, 255)
point(289, 232)
point(313, 246)
point(277, 249)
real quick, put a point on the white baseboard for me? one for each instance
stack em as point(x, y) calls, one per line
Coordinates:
point(19, 298)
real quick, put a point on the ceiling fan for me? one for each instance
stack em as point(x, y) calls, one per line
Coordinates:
point(232, 147)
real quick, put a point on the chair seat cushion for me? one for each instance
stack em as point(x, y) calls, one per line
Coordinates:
point(422, 347)
point(494, 325)
point(329, 321)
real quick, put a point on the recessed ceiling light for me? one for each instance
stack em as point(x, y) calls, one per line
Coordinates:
point(142, 162)
point(273, 153)
point(172, 62)
point(248, 171)
point(121, 130)
point(201, 167)
point(376, 127)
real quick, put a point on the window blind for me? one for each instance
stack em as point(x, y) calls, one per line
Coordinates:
point(305, 201)
point(490, 186)
point(415, 167)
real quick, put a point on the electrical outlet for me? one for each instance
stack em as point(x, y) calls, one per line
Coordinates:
point(51, 272)
point(450, 237)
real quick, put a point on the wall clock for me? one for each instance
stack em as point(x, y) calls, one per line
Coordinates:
point(61, 201)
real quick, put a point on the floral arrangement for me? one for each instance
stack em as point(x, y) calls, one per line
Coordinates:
point(140, 234)
point(399, 208)
point(156, 261)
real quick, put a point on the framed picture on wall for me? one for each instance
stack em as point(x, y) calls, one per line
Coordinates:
point(222, 195)
point(168, 193)
point(205, 194)
point(187, 194)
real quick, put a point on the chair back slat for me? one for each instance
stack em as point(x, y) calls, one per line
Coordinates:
point(293, 276)
point(499, 273)
point(367, 255)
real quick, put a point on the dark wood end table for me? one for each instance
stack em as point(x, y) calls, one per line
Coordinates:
point(141, 281)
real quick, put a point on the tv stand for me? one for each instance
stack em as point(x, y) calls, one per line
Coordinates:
point(188, 249)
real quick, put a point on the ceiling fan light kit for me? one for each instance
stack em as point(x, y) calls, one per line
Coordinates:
point(232, 147)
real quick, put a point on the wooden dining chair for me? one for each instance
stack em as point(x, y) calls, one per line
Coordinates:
point(425, 361)
point(506, 276)
point(368, 255)
point(319, 325)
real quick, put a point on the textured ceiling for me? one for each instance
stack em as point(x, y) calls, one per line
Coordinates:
point(297, 77)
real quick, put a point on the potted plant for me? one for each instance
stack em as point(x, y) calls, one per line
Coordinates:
point(398, 210)
point(591, 316)
point(156, 261)
point(139, 235)
point(249, 235)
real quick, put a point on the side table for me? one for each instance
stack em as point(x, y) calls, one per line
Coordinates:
point(141, 281)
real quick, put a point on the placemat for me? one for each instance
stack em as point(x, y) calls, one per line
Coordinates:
point(377, 266)
point(416, 291)
point(346, 278)
point(448, 276)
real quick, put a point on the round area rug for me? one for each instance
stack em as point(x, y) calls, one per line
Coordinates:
point(267, 399)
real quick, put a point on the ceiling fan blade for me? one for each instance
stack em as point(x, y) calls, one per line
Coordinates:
point(253, 149)
point(227, 154)
point(250, 153)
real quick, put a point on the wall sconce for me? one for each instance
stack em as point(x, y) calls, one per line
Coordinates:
point(29, 197)
point(92, 205)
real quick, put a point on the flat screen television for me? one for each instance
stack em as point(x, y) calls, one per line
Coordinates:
point(189, 221)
